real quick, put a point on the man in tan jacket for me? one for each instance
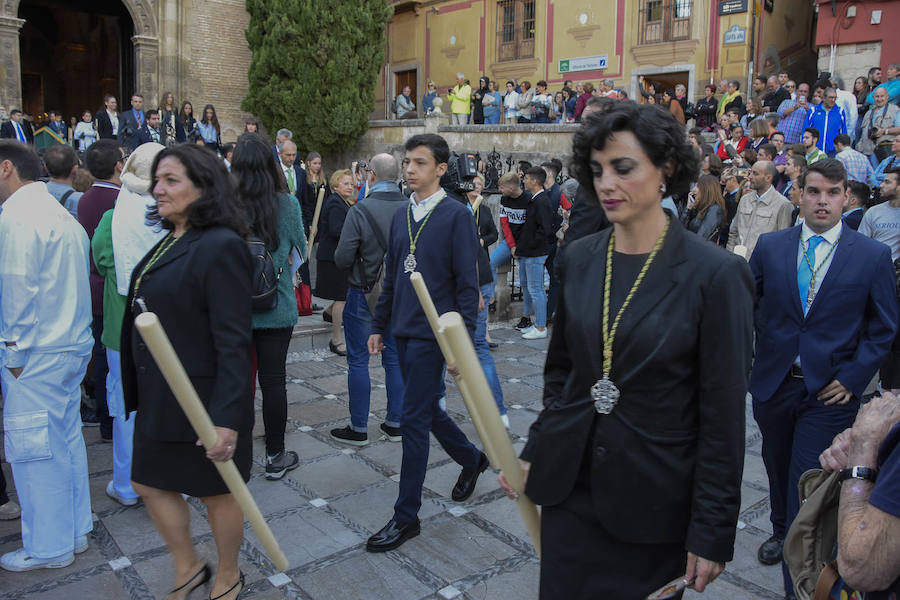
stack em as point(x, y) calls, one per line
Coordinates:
point(763, 210)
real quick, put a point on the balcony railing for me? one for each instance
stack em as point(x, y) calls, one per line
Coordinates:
point(665, 20)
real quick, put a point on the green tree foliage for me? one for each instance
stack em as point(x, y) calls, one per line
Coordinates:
point(314, 68)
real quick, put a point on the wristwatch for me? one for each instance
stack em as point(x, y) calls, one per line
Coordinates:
point(865, 473)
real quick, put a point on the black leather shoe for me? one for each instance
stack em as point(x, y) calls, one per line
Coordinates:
point(465, 485)
point(770, 551)
point(392, 536)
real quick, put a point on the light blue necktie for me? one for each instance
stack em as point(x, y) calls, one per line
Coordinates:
point(20, 133)
point(804, 273)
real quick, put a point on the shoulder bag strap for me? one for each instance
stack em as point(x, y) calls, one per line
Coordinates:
point(379, 235)
point(66, 197)
point(827, 578)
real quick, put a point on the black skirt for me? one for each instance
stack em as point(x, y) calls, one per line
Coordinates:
point(183, 467)
point(581, 560)
point(331, 282)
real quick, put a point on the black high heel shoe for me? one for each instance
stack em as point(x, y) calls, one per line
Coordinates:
point(240, 582)
point(206, 574)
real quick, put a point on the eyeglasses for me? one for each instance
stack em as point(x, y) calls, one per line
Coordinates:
point(790, 86)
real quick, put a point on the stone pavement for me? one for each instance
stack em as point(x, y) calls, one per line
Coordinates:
point(323, 511)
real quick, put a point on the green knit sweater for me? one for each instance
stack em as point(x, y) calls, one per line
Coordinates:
point(113, 301)
point(290, 235)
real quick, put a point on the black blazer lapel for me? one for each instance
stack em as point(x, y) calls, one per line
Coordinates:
point(841, 257)
point(590, 301)
point(177, 250)
point(789, 251)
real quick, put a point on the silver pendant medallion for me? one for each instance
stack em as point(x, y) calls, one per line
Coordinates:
point(605, 395)
point(409, 265)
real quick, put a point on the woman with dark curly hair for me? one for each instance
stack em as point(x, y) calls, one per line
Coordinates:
point(197, 280)
point(638, 453)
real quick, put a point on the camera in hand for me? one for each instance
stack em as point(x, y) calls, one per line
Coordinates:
point(873, 133)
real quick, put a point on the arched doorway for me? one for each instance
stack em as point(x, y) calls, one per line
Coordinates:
point(74, 52)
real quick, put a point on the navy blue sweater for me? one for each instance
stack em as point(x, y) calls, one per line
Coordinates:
point(446, 256)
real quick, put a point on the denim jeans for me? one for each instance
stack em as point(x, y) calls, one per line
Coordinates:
point(531, 276)
point(484, 351)
point(499, 256)
point(357, 327)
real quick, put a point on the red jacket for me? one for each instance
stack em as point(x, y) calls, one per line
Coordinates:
point(739, 148)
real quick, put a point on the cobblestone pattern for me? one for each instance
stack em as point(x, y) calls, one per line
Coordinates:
point(323, 511)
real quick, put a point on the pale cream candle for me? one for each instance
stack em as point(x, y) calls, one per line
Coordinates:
point(314, 228)
point(433, 320)
point(480, 400)
point(160, 347)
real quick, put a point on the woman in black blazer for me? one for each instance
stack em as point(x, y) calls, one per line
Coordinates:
point(198, 281)
point(638, 453)
point(331, 282)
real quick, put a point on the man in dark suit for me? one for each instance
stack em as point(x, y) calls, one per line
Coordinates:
point(295, 177)
point(58, 126)
point(106, 120)
point(826, 314)
point(858, 196)
point(151, 131)
point(16, 128)
point(131, 122)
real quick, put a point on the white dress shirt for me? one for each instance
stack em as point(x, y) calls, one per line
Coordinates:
point(420, 209)
point(45, 295)
point(824, 256)
point(114, 119)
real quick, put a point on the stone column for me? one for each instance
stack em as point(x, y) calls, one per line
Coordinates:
point(169, 48)
point(146, 59)
point(10, 63)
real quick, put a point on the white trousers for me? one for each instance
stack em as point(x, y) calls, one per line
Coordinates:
point(44, 445)
point(123, 431)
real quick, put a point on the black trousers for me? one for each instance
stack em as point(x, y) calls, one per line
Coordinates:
point(271, 347)
point(553, 294)
point(581, 560)
point(101, 369)
point(3, 497)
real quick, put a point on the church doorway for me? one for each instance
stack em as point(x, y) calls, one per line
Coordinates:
point(73, 52)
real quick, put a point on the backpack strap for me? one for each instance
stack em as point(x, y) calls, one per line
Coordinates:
point(66, 197)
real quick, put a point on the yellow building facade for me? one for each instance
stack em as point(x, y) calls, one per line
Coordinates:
point(692, 42)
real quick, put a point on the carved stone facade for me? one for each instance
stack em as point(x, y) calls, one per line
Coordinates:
point(194, 48)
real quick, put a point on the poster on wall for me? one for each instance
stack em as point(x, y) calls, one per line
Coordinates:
point(732, 7)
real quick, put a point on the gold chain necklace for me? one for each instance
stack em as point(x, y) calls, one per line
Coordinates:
point(811, 292)
point(162, 249)
point(604, 392)
point(409, 264)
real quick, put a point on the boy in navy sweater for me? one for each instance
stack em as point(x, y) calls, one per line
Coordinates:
point(436, 237)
